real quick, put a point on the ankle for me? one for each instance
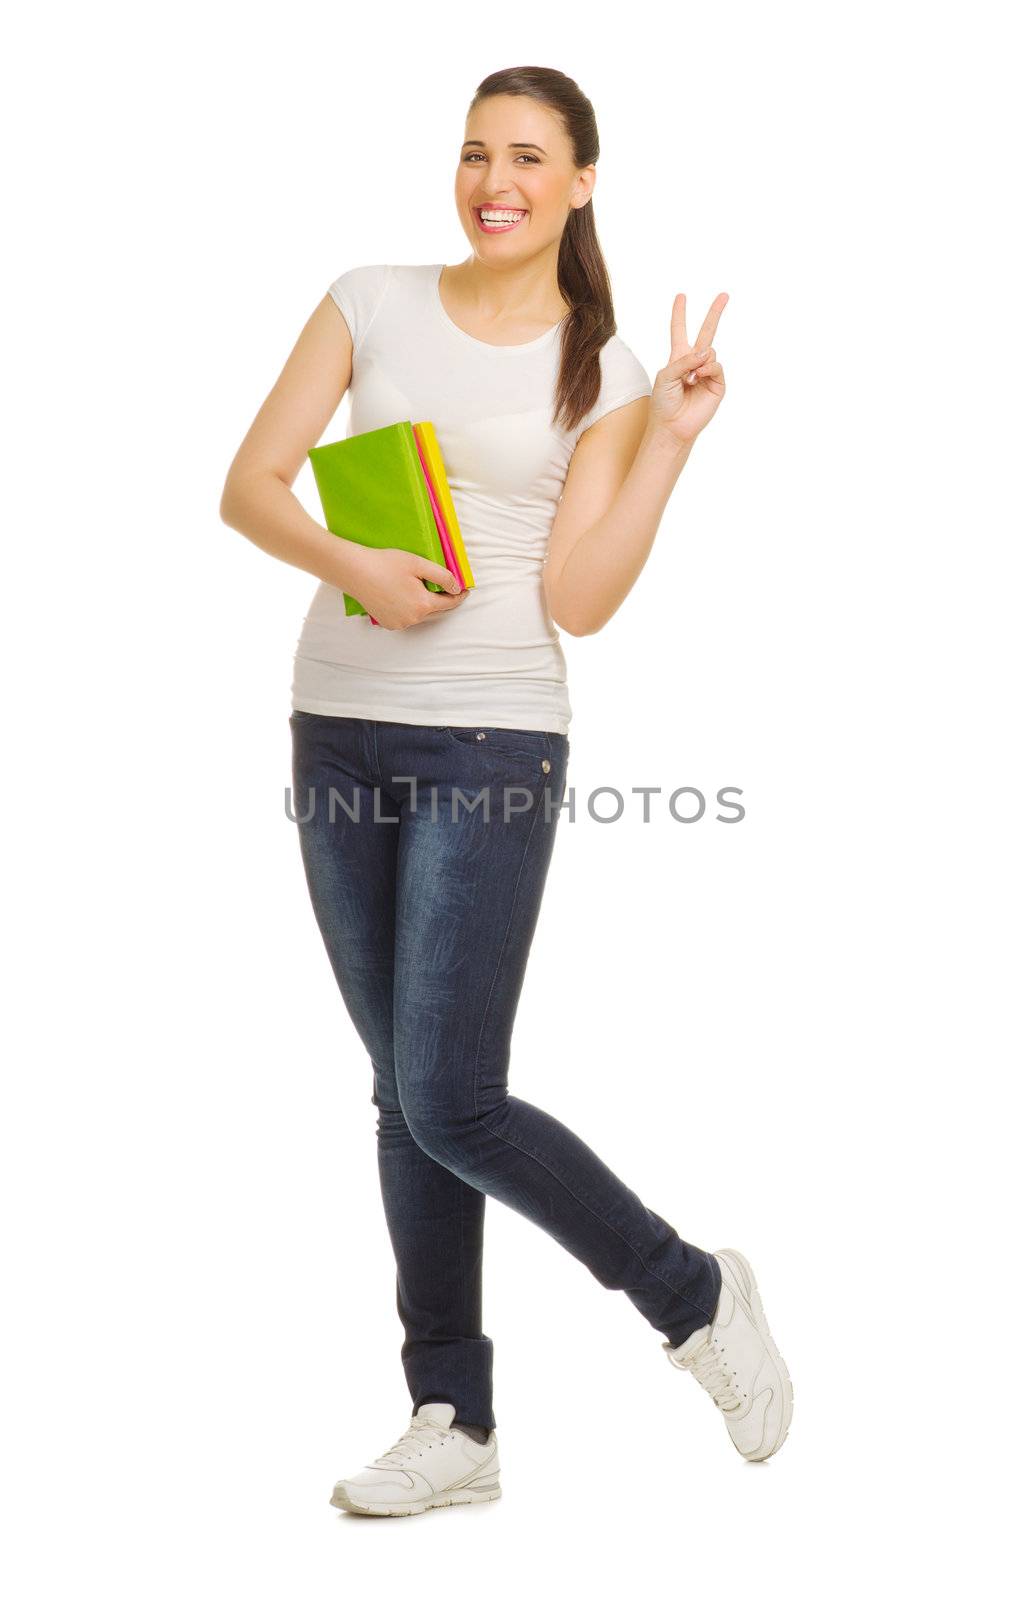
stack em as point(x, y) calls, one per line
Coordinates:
point(474, 1430)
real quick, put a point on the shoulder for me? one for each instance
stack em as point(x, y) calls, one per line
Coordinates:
point(620, 365)
point(623, 378)
point(361, 291)
point(358, 294)
point(357, 279)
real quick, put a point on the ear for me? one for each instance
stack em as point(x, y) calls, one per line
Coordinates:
point(585, 183)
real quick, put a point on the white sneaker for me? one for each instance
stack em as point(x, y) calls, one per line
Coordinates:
point(738, 1364)
point(431, 1465)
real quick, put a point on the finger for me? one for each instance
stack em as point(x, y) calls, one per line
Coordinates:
point(424, 568)
point(708, 331)
point(445, 602)
point(689, 362)
point(679, 338)
point(714, 370)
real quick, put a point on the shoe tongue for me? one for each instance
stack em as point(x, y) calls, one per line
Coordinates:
point(693, 1342)
point(438, 1411)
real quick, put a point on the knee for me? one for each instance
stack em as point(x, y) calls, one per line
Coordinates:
point(437, 1128)
point(384, 1093)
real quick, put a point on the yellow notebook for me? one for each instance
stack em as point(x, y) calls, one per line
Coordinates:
point(434, 463)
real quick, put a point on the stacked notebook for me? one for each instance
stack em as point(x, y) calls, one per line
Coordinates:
point(388, 488)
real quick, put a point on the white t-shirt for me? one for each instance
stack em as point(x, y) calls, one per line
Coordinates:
point(496, 660)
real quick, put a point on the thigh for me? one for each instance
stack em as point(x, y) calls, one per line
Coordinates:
point(469, 886)
point(348, 831)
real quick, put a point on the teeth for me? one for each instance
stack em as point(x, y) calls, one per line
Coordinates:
point(501, 216)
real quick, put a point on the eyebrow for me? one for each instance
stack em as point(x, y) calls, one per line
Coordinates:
point(519, 146)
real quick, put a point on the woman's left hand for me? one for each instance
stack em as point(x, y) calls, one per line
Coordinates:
point(690, 388)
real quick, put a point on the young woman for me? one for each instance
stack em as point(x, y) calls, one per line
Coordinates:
point(561, 457)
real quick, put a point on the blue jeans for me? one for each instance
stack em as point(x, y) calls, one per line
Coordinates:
point(427, 899)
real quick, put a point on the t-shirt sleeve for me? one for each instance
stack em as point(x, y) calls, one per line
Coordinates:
point(624, 379)
point(358, 294)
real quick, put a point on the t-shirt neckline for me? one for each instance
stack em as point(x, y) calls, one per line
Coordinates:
point(484, 344)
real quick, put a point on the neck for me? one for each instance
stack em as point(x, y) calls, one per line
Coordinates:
point(527, 291)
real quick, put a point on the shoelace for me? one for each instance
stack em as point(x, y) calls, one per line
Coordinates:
point(420, 1431)
point(707, 1366)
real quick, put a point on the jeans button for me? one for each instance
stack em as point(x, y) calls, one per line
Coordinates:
point(480, 736)
point(546, 766)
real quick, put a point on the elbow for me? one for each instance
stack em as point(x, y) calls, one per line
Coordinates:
point(577, 629)
point(244, 489)
point(231, 501)
point(570, 620)
point(226, 504)
point(579, 626)
point(565, 622)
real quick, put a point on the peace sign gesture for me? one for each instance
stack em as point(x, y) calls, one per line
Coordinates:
point(690, 388)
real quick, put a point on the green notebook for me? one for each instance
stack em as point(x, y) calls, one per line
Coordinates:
point(373, 488)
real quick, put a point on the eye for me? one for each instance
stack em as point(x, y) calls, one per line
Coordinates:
point(523, 157)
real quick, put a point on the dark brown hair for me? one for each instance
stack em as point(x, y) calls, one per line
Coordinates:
point(582, 275)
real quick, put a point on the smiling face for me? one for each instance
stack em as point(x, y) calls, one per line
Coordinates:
point(517, 157)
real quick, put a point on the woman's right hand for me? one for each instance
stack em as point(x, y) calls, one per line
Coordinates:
point(389, 584)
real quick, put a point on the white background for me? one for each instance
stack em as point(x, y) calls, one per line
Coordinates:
point(795, 1035)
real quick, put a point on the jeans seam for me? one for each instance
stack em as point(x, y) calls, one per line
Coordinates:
point(497, 966)
point(377, 774)
point(461, 1270)
point(604, 1223)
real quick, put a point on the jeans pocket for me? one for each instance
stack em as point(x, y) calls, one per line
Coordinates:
point(526, 743)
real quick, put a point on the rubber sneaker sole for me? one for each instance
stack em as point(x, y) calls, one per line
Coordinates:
point(466, 1495)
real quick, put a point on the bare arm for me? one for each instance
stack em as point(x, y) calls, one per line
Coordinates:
point(621, 476)
point(258, 502)
point(619, 481)
point(257, 499)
